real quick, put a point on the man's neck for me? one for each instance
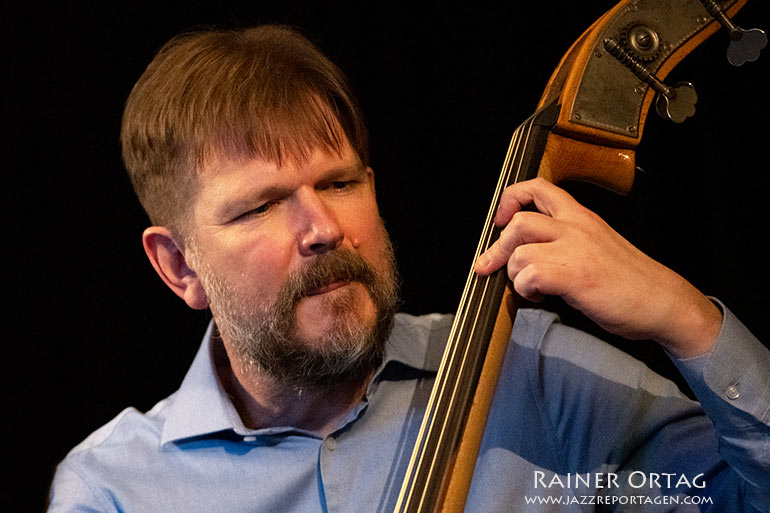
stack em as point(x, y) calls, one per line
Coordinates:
point(262, 401)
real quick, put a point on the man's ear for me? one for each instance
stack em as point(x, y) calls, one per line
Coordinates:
point(370, 174)
point(167, 256)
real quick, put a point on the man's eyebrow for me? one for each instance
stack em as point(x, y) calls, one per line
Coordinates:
point(356, 169)
point(330, 175)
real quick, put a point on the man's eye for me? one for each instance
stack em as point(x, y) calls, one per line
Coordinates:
point(340, 185)
point(257, 212)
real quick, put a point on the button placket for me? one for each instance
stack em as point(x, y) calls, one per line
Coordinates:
point(330, 475)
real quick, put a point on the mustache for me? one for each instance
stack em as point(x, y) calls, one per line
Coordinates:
point(327, 268)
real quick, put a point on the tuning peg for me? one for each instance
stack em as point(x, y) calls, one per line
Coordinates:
point(676, 103)
point(745, 45)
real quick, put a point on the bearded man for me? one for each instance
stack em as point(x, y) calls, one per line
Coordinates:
point(249, 154)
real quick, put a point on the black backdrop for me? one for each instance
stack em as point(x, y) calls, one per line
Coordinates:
point(93, 330)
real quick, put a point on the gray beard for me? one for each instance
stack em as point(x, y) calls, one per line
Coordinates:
point(266, 338)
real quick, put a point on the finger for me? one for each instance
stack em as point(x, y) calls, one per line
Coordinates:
point(525, 228)
point(546, 197)
point(529, 254)
point(541, 279)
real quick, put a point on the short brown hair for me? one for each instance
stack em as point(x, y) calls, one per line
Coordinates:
point(264, 92)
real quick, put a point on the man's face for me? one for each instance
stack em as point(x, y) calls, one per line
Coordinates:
point(296, 264)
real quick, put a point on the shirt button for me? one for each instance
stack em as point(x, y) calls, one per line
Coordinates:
point(733, 392)
point(330, 443)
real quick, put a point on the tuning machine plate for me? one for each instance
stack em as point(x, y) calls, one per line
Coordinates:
point(676, 102)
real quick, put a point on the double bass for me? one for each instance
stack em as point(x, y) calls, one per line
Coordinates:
point(586, 127)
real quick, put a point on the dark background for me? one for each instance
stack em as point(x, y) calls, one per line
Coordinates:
point(92, 329)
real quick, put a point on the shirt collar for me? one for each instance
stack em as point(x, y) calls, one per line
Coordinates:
point(202, 407)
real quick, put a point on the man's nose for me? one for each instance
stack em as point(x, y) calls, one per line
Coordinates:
point(321, 231)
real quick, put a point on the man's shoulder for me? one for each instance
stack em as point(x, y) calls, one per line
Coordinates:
point(419, 340)
point(543, 332)
point(427, 324)
point(537, 332)
point(565, 358)
point(130, 426)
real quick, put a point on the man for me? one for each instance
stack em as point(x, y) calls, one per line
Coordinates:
point(249, 154)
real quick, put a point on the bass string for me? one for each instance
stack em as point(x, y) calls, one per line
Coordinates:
point(473, 279)
point(456, 342)
point(513, 160)
point(487, 240)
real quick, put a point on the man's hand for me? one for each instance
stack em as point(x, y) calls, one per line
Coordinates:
point(565, 249)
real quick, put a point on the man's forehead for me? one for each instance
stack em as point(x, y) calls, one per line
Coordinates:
point(217, 162)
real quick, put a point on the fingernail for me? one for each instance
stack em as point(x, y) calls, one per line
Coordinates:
point(497, 215)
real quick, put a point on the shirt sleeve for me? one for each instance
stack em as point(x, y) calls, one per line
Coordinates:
point(609, 413)
point(732, 384)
